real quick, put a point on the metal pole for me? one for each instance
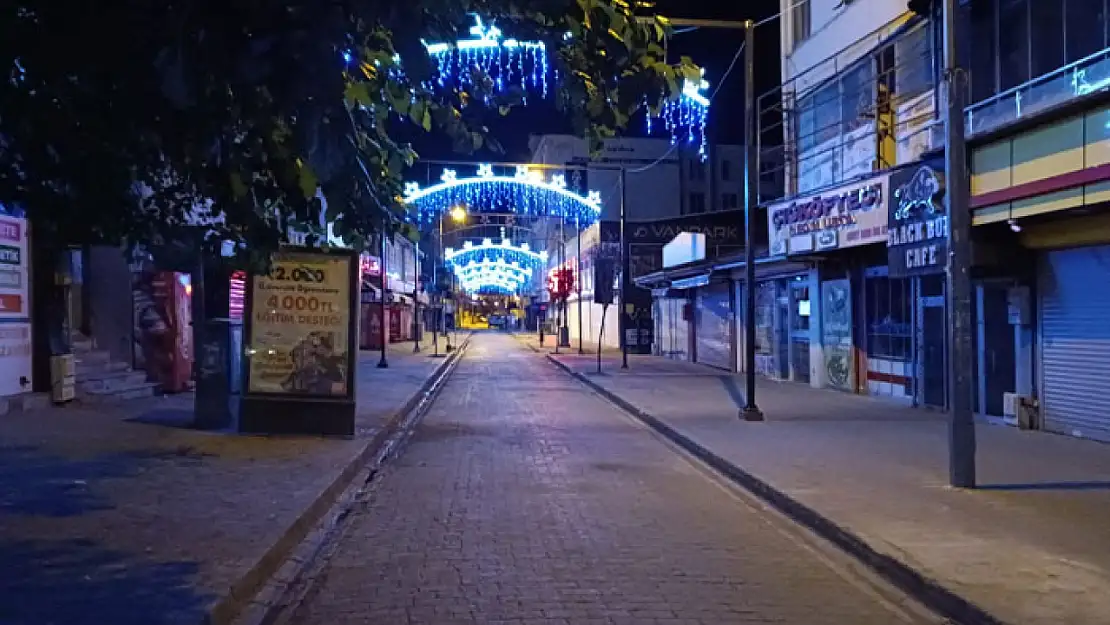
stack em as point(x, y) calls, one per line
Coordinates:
point(436, 299)
point(750, 411)
point(383, 363)
point(558, 304)
point(625, 271)
point(415, 297)
point(961, 431)
point(578, 281)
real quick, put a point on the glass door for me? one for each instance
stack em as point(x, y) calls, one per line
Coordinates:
point(799, 330)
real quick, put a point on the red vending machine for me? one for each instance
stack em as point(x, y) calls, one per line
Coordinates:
point(173, 296)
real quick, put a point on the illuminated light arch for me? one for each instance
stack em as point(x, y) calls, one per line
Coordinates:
point(494, 288)
point(525, 65)
point(497, 268)
point(525, 192)
point(489, 281)
point(487, 249)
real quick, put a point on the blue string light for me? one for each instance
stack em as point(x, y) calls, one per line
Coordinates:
point(497, 270)
point(507, 62)
point(687, 115)
point(525, 64)
point(487, 250)
point(526, 192)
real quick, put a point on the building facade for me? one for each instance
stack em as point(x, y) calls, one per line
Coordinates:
point(664, 186)
point(1039, 146)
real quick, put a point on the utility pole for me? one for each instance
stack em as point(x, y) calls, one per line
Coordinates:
point(383, 363)
point(750, 411)
point(625, 277)
point(961, 430)
point(578, 280)
point(416, 297)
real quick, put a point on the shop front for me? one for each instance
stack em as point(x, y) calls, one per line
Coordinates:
point(905, 301)
point(838, 231)
point(783, 310)
point(672, 313)
point(1046, 187)
point(713, 318)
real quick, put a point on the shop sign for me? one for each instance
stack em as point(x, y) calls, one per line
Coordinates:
point(917, 236)
point(848, 216)
point(300, 326)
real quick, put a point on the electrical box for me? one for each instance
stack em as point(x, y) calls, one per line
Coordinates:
point(63, 378)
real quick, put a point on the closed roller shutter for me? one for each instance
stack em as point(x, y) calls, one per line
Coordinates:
point(714, 321)
point(1075, 342)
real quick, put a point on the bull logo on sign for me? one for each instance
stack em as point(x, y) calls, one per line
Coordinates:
point(919, 196)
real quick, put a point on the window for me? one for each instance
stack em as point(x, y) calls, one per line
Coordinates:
point(913, 63)
point(800, 20)
point(697, 203)
point(984, 55)
point(1085, 27)
point(726, 169)
point(1047, 36)
point(697, 170)
point(1013, 43)
point(819, 117)
point(730, 201)
point(889, 319)
point(858, 102)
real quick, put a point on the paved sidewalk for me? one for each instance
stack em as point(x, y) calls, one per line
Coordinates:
point(524, 499)
point(1032, 546)
point(124, 515)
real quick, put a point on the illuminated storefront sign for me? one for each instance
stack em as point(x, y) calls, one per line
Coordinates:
point(847, 216)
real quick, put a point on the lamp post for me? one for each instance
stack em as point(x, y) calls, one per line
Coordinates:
point(415, 298)
point(578, 281)
point(383, 362)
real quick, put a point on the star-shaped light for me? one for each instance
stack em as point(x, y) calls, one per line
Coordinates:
point(412, 188)
point(594, 197)
point(521, 172)
point(449, 175)
point(485, 170)
point(559, 180)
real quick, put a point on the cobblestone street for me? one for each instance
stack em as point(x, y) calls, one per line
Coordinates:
point(523, 498)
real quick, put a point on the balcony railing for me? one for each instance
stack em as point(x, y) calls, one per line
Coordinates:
point(1055, 89)
point(874, 114)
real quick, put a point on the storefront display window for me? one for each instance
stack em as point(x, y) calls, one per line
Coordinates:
point(889, 318)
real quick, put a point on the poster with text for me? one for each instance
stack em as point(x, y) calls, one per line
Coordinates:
point(13, 268)
point(300, 324)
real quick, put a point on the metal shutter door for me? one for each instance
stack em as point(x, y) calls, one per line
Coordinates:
point(713, 337)
point(1075, 342)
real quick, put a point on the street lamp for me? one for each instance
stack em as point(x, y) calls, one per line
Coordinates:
point(458, 213)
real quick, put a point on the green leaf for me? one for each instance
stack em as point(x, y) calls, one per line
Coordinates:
point(308, 181)
point(357, 93)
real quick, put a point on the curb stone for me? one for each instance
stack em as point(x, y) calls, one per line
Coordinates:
point(250, 587)
point(949, 605)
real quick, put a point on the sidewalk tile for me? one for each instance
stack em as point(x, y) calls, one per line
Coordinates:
point(107, 519)
point(1032, 546)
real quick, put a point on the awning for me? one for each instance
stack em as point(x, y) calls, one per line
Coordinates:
point(691, 283)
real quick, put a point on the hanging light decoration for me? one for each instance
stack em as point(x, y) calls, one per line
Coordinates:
point(499, 289)
point(510, 63)
point(525, 192)
point(507, 62)
point(488, 250)
point(503, 270)
point(686, 117)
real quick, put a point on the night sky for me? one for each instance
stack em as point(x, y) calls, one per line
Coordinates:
point(710, 48)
